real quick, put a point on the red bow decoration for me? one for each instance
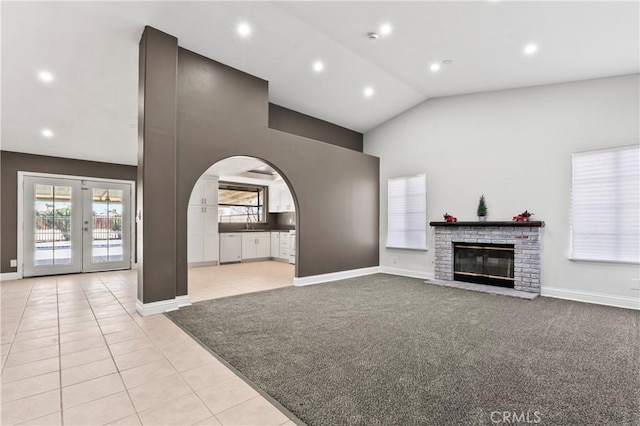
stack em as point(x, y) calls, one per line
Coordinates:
point(522, 217)
point(449, 218)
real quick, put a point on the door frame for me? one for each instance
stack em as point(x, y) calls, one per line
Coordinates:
point(20, 216)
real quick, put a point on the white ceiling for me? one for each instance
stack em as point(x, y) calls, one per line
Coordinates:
point(92, 50)
point(244, 170)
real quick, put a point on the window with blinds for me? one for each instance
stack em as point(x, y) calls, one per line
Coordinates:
point(407, 212)
point(605, 205)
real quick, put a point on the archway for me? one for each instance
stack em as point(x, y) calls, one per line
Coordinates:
point(241, 229)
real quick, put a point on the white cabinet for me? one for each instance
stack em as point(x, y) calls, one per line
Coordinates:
point(230, 247)
point(287, 200)
point(280, 198)
point(202, 223)
point(274, 197)
point(285, 246)
point(195, 252)
point(275, 244)
point(205, 192)
point(281, 245)
point(263, 247)
point(256, 245)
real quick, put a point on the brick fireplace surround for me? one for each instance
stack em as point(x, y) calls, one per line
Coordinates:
point(525, 236)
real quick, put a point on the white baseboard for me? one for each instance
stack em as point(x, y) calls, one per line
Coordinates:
point(153, 308)
point(588, 297)
point(406, 273)
point(335, 276)
point(9, 276)
point(200, 264)
point(183, 301)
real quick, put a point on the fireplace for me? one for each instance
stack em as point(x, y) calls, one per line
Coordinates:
point(491, 264)
point(524, 237)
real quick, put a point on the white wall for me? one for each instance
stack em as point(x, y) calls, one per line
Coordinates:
point(513, 146)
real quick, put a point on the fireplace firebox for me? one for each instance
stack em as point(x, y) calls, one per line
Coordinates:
point(484, 263)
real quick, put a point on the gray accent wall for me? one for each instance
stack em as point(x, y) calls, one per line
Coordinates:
point(156, 189)
point(281, 118)
point(223, 112)
point(13, 162)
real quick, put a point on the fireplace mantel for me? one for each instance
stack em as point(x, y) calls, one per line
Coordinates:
point(529, 224)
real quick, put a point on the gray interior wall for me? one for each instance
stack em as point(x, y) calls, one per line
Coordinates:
point(281, 118)
point(156, 166)
point(223, 112)
point(13, 162)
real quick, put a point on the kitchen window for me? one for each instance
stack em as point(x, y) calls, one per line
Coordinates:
point(240, 203)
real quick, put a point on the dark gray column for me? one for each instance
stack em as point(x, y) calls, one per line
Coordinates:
point(156, 194)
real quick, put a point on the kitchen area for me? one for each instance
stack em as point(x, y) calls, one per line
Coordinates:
point(240, 211)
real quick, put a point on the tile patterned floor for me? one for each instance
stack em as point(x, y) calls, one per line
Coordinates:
point(75, 352)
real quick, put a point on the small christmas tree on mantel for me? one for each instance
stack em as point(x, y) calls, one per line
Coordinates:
point(482, 209)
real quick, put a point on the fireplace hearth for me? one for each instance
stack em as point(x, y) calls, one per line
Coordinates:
point(491, 264)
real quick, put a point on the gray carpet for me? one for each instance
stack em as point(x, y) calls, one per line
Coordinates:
point(387, 350)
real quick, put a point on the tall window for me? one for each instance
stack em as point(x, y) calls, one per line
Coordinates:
point(240, 204)
point(407, 212)
point(605, 205)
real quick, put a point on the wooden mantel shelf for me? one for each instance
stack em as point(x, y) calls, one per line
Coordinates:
point(531, 224)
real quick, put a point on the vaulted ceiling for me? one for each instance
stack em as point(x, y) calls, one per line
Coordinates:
point(91, 50)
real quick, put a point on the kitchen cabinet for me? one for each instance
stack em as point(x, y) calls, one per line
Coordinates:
point(202, 223)
point(230, 247)
point(285, 246)
point(256, 245)
point(205, 192)
point(281, 245)
point(280, 198)
point(275, 244)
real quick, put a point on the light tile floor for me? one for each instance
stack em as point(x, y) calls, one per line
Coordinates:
point(75, 352)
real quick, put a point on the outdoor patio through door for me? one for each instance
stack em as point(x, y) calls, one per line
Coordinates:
point(73, 225)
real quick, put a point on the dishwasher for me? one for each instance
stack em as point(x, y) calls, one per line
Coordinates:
point(230, 247)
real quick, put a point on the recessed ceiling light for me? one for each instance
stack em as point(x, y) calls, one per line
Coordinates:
point(368, 91)
point(530, 49)
point(434, 67)
point(385, 29)
point(318, 66)
point(45, 76)
point(244, 30)
point(47, 133)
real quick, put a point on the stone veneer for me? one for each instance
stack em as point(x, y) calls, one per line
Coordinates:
point(525, 237)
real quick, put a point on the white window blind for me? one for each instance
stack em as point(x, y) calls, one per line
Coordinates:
point(407, 212)
point(605, 205)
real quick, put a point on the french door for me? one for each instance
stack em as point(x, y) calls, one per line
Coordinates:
point(73, 225)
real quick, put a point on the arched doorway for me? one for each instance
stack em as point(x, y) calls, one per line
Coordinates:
point(241, 230)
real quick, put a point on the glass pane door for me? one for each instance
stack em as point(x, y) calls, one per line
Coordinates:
point(107, 226)
point(53, 237)
point(73, 225)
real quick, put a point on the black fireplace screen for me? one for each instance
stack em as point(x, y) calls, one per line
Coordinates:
point(484, 263)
